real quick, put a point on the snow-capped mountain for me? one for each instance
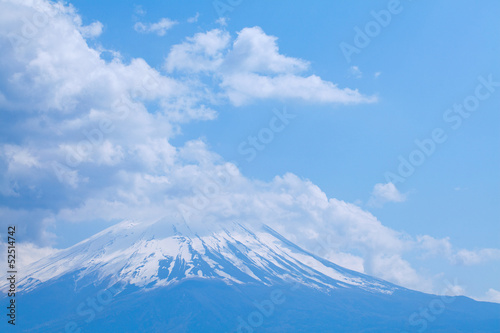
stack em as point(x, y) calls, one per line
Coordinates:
point(159, 254)
point(168, 277)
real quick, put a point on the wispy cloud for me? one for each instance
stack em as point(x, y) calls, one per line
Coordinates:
point(194, 18)
point(355, 72)
point(443, 248)
point(139, 10)
point(222, 21)
point(160, 28)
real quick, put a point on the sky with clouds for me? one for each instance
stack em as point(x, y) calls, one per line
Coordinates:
point(366, 133)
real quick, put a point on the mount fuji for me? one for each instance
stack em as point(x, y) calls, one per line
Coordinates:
point(168, 277)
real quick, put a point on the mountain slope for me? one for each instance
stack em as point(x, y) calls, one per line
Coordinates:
point(157, 255)
point(168, 278)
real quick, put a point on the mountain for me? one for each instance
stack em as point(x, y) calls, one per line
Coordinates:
point(164, 277)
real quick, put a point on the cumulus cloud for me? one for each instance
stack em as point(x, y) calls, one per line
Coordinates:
point(160, 28)
point(95, 137)
point(207, 189)
point(69, 116)
point(393, 267)
point(435, 247)
point(492, 295)
point(27, 253)
point(443, 248)
point(92, 31)
point(204, 52)
point(251, 67)
point(383, 193)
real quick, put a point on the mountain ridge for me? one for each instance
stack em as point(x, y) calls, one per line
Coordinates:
point(168, 277)
point(154, 254)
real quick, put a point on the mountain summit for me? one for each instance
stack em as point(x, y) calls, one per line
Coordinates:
point(161, 254)
point(222, 278)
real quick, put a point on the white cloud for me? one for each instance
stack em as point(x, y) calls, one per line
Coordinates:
point(222, 21)
point(443, 248)
point(19, 157)
point(383, 193)
point(455, 290)
point(201, 53)
point(27, 253)
point(467, 257)
point(355, 72)
point(393, 268)
point(77, 111)
point(253, 68)
point(435, 247)
point(255, 52)
point(92, 31)
point(244, 87)
point(193, 19)
point(160, 28)
point(109, 126)
point(139, 10)
point(17, 162)
point(346, 260)
point(492, 295)
point(32, 225)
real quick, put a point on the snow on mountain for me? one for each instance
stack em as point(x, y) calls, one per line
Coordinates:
point(167, 277)
point(159, 254)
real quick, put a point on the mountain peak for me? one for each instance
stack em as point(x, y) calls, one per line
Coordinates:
point(218, 278)
point(151, 255)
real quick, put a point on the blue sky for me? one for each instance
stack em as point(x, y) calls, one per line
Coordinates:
point(428, 58)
